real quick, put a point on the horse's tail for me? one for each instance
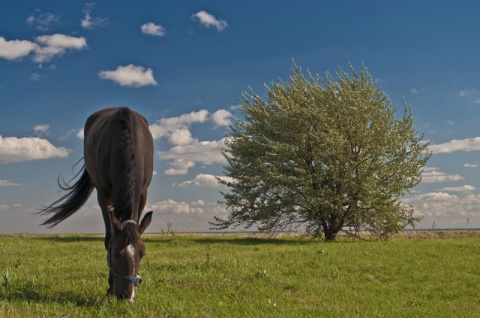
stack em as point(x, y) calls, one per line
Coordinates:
point(71, 202)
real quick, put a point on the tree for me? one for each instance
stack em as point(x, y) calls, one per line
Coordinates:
point(323, 154)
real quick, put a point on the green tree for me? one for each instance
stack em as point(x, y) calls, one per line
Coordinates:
point(322, 154)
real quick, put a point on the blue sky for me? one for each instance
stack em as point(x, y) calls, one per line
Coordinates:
point(184, 65)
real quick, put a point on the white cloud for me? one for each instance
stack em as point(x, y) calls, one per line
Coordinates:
point(436, 196)
point(432, 175)
point(205, 180)
point(185, 157)
point(41, 129)
point(222, 118)
point(89, 21)
point(43, 21)
point(80, 134)
point(472, 95)
point(468, 92)
point(130, 75)
point(416, 91)
point(166, 126)
point(46, 48)
point(180, 207)
point(468, 144)
point(445, 210)
point(469, 165)
point(180, 137)
point(179, 166)
point(465, 188)
point(153, 29)
point(15, 49)
point(56, 45)
point(186, 150)
point(208, 20)
point(13, 149)
point(8, 183)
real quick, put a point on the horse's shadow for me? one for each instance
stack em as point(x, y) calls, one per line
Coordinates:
point(29, 294)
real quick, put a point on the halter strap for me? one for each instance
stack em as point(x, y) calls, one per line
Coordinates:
point(131, 279)
point(129, 221)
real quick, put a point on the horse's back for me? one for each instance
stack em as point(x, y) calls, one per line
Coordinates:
point(113, 137)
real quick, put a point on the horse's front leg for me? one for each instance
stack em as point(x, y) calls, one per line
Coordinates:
point(107, 208)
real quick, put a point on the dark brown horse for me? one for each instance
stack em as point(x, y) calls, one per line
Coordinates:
point(118, 154)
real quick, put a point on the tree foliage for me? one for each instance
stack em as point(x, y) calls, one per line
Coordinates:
point(325, 154)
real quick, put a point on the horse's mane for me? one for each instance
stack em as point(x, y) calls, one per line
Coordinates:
point(125, 184)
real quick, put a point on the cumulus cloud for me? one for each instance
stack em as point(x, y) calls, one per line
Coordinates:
point(186, 150)
point(153, 29)
point(43, 21)
point(180, 207)
point(80, 134)
point(166, 126)
point(56, 45)
point(465, 188)
point(46, 48)
point(205, 180)
point(179, 166)
point(208, 20)
point(180, 137)
point(444, 209)
point(468, 144)
point(222, 118)
point(432, 175)
point(130, 75)
point(185, 156)
point(89, 21)
point(8, 183)
point(469, 165)
point(15, 49)
point(13, 149)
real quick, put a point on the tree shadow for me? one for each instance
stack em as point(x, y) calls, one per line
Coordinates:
point(70, 238)
point(254, 241)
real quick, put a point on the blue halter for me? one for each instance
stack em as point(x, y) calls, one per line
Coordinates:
point(137, 280)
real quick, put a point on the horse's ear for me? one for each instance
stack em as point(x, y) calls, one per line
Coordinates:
point(117, 226)
point(145, 222)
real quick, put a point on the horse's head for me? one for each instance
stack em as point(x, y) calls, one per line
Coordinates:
point(125, 251)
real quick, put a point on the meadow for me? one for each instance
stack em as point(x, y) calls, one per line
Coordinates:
point(241, 276)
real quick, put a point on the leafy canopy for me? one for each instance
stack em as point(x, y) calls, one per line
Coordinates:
point(323, 154)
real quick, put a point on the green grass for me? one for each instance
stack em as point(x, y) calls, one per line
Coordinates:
point(231, 276)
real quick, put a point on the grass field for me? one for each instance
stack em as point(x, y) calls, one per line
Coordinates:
point(232, 276)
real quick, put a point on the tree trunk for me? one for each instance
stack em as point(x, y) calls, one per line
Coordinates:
point(330, 235)
point(329, 231)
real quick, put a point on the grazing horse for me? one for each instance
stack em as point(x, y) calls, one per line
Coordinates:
point(118, 155)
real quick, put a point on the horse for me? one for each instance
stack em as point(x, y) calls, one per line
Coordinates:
point(118, 163)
